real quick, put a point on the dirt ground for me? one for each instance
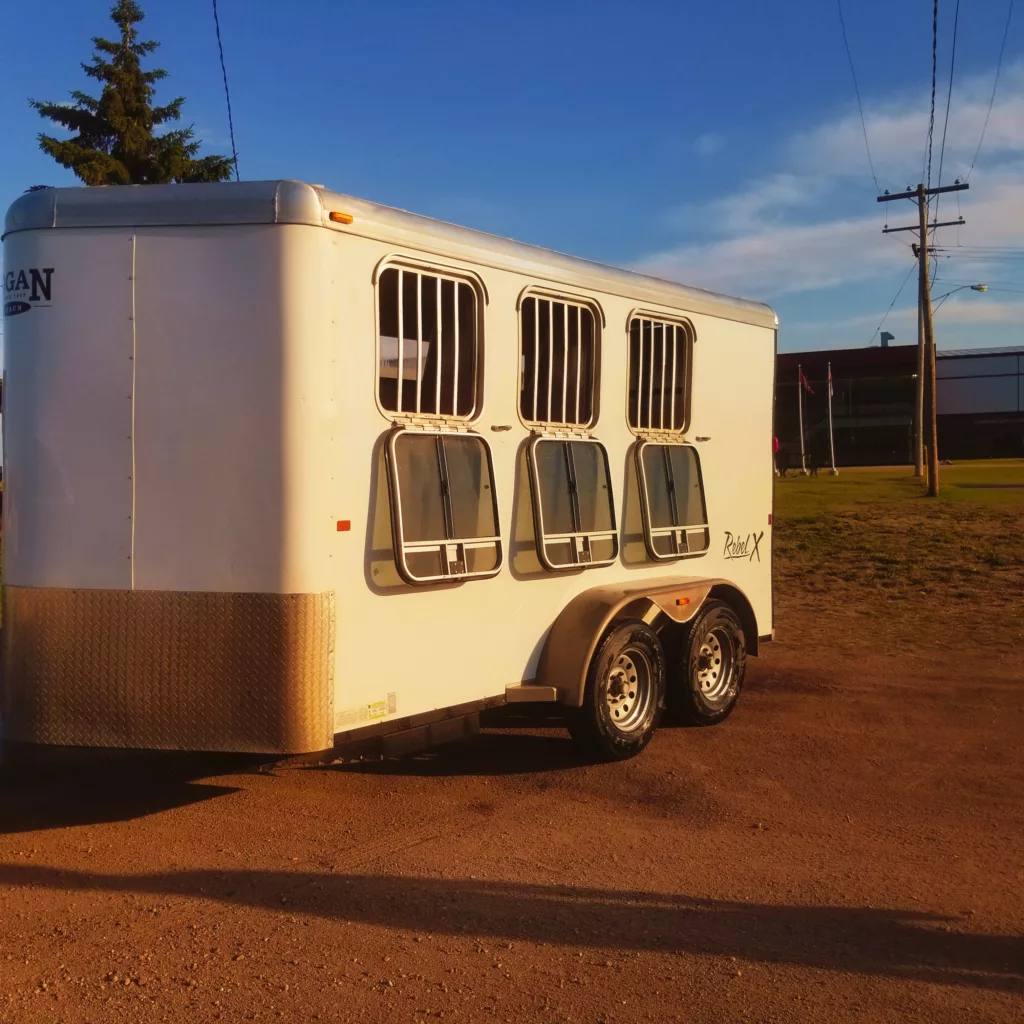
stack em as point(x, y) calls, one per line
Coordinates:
point(849, 846)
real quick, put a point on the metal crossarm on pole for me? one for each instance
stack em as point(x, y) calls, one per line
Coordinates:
point(914, 227)
point(913, 193)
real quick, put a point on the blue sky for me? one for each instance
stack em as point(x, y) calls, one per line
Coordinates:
point(717, 144)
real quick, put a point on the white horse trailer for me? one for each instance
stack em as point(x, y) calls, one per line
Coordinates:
point(287, 471)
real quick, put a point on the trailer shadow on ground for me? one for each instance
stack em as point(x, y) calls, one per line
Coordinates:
point(489, 753)
point(891, 942)
point(39, 796)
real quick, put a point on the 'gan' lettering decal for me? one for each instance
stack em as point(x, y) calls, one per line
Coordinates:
point(23, 289)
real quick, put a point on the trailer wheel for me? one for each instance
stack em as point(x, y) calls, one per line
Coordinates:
point(710, 666)
point(624, 693)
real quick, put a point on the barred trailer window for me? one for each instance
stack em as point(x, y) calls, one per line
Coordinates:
point(444, 510)
point(428, 344)
point(557, 363)
point(659, 364)
point(672, 503)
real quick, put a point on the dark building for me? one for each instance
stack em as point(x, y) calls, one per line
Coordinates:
point(980, 404)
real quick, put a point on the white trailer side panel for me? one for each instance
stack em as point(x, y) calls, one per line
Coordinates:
point(415, 649)
point(234, 409)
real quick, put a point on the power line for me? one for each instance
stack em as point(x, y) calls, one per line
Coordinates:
point(227, 92)
point(949, 97)
point(856, 89)
point(979, 257)
point(935, 52)
point(995, 85)
point(881, 323)
point(967, 249)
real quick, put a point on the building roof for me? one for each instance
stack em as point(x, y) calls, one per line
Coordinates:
point(893, 357)
point(294, 202)
point(965, 353)
point(873, 357)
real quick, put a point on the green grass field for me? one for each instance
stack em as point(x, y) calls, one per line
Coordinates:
point(869, 546)
point(992, 483)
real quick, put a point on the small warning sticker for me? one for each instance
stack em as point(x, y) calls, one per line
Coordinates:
point(392, 703)
point(377, 710)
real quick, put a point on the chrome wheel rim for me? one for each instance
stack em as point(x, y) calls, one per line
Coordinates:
point(716, 665)
point(628, 689)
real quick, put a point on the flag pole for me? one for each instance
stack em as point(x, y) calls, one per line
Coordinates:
point(800, 408)
point(831, 438)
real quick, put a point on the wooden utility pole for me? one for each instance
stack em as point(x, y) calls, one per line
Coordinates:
point(919, 393)
point(925, 307)
point(925, 409)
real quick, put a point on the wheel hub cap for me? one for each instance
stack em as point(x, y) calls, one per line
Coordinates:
point(714, 667)
point(628, 690)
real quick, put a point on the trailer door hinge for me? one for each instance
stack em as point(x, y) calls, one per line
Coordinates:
point(564, 434)
point(411, 421)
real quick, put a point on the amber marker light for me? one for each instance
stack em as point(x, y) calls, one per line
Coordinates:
point(682, 600)
point(341, 218)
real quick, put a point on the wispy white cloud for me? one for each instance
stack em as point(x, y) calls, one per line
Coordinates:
point(984, 311)
point(780, 234)
point(903, 319)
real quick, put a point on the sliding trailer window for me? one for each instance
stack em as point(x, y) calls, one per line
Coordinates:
point(574, 513)
point(444, 511)
point(672, 501)
point(659, 374)
point(557, 361)
point(428, 344)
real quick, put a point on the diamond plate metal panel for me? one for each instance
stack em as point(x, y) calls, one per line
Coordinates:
point(169, 670)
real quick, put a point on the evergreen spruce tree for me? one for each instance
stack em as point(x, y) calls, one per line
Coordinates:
point(114, 141)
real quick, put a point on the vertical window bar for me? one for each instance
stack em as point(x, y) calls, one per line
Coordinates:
point(639, 373)
point(641, 385)
point(455, 372)
point(439, 354)
point(537, 351)
point(565, 361)
point(446, 493)
point(664, 365)
point(650, 379)
point(401, 332)
point(579, 357)
point(419, 341)
point(574, 493)
point(551, 353)
point(671, 480)
point(672, 407)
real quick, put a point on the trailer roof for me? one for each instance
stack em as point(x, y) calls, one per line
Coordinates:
point(294, 202)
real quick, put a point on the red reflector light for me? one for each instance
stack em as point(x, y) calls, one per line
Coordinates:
point(769, 519)
point(344, 525)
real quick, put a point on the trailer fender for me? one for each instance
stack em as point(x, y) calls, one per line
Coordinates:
point(737, 600)
point(580, 625)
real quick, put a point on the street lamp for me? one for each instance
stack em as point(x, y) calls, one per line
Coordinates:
point(973, 287)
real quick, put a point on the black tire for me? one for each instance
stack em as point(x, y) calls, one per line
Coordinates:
point(624, 694)
point(709, 667)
